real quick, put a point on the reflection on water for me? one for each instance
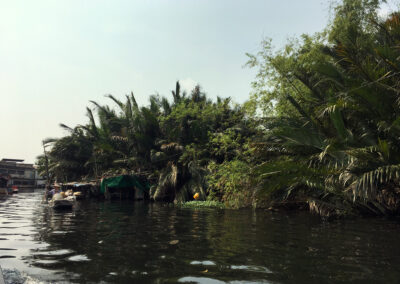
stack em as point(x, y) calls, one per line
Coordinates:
point(126, 242)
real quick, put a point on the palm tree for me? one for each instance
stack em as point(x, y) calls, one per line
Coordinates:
point(343, 141)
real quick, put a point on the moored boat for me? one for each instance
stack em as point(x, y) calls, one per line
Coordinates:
point(14, 189)
point(78, 195)
point(58, 202)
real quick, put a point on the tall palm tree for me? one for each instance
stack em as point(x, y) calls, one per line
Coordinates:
point(343, 141)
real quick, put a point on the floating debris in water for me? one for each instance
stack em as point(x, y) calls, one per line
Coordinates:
point(174, 242)
point(13, 276)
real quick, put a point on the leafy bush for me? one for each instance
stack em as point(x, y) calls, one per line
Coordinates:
point(229, 182)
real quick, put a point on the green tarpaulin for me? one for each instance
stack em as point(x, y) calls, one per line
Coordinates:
point(125, 181)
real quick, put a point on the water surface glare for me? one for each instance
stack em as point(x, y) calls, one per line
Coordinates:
point(136, 242)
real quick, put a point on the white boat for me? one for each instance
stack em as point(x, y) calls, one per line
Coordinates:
point(58, 202)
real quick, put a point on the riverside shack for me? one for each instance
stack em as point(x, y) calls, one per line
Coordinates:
point(124, 187)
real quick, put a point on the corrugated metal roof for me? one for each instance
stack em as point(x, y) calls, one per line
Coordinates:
point(12, 160)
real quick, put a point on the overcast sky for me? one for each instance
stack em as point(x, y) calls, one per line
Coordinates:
point(56, 55)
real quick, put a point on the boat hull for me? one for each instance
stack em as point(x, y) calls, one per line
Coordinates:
point(62, 204)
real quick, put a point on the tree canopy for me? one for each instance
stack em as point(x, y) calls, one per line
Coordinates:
point(322, 127)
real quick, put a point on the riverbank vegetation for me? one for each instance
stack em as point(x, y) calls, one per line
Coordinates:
point(321, 128)
point(202, 204)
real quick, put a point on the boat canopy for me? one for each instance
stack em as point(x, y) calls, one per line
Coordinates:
point(123, 181)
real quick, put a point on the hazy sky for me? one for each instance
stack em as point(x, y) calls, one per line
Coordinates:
point(56, 55)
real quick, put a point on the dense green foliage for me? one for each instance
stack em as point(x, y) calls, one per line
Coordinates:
point(202, 204)
point(333, 138)
point(322, 128)
point(170, 144)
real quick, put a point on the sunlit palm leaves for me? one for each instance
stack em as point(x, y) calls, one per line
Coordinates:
point(345, 141)
point(166, 142)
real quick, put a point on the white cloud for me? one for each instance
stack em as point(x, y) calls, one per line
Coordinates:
point(387, 8)
point(188, 84)
point(383, 11)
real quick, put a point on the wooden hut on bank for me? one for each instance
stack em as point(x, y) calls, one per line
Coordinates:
point(124, 187)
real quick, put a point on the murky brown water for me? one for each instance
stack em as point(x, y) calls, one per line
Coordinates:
point(127, 242)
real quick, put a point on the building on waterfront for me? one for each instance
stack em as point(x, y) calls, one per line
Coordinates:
point(23, 176)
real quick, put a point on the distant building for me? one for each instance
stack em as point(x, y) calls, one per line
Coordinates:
point(40, 181)
point(22, 175)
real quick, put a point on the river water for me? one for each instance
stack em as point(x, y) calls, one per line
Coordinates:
point(137, 242)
